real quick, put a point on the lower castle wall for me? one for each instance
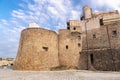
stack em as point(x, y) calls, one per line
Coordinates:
point(102, 60)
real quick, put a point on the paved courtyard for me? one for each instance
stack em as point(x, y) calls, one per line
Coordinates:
point(58, 75)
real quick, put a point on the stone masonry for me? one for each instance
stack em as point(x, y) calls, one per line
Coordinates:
point(101, 41)
point(91, 43)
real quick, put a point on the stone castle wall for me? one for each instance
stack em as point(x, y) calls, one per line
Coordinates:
point(101, 60)
point(74, 26)
point(96, 38)
point(89, 44)
point(38, 50)
point(104, 37)
point(103, 48)
point(70, 45)
point(106, 15)
point(100, 39)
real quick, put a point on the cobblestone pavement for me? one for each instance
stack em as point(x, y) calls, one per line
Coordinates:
point(58, 75)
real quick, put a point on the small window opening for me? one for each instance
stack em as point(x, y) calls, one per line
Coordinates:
point(74, 28)
point(79, 45)
point(82, 18)
point(114, 32)
point(45, 48)
point(68, 28)
point(66, 46)
point(68, 24)
point(11, 64)
point(79, 37)
point(101, 22)
point(79, 52)
point(94, 36)
point(91, 58)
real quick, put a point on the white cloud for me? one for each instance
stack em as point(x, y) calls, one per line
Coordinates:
point(74, 14)
point(110, 4)
point(3, 21)
point(49, 14)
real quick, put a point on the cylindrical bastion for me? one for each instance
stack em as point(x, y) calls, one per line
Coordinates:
point(38, 50)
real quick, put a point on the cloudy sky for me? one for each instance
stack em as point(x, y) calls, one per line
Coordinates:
point(50, 14)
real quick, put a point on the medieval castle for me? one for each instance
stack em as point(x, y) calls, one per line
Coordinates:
point(91, 43)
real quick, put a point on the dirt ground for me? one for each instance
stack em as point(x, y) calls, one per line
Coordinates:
point(58, 75)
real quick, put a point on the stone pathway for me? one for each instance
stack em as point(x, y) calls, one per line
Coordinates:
point(58, 75)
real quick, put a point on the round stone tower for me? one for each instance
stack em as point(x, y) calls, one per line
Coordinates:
point(87, 12)
point(38, 50)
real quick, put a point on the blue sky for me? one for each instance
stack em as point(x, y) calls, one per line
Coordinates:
point(50, 14)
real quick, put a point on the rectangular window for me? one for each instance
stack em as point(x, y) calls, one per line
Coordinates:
point(79, 52)
point(79, 38)
point(79, 45)
point(66, 46)
point(68, 24)
point(68, 28)
point(114, 32)
point(45, 48)
point(91, 58)
point(101, 22)
point(74, 28)
point(94, 36)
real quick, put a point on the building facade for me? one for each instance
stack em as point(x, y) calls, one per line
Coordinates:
point(91, 43)
point(101, 35)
